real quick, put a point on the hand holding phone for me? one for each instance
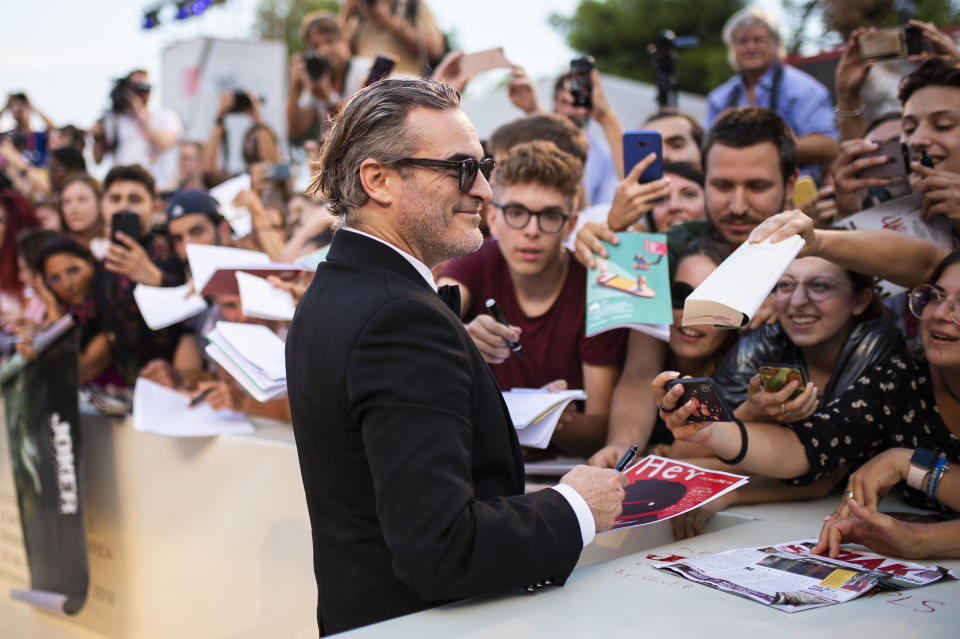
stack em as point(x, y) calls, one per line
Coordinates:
point(126, 222)
point(708, 404)
point(639, 144)
point(775, 376)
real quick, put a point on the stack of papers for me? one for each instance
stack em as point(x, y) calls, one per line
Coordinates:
point(253, 355)
point(535, 412)
point(162, 411)
point(163, 306)
point(238, 217)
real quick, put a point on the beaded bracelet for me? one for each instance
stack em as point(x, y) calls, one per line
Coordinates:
point(933, 480)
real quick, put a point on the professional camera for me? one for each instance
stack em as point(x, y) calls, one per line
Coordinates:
point(317, 65)
point(120, 94)
point(664, 52)
point(581, 87)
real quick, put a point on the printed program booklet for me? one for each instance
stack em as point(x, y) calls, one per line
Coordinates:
point(662, 488)
point(631, 287)
point(787, 577)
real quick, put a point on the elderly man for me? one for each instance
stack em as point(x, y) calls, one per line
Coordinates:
point(756, 51)
point(410, 462)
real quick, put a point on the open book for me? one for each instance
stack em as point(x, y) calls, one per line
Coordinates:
point(731, 295)
point(631, 288)
point(535, 412)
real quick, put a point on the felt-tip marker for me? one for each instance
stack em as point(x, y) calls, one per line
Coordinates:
point(497, 315)
point(626, 459)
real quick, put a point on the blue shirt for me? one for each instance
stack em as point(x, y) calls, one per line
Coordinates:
point(802, 101)
point(599, 172)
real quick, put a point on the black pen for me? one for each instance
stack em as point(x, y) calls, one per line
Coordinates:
point(497, 315)
point(626, 459)
point(199, 398)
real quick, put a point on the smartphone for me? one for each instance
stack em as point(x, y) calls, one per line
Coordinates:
point(775, 376)
point(380, 68)
point(804, 190)
point(126, 222)
point(708, 404)
point(898, 161)
point(638, 145)
point(277, 172)
point(892, 42)
point(581, 86)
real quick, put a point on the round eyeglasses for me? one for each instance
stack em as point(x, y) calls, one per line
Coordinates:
point(817, 289)
point(549, 220)
point(924, 300)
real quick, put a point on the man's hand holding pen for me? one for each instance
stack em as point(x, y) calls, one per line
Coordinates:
point(495, 338)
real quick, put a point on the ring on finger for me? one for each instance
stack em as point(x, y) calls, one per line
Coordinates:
point(668, 410)
point(783, 410)
point(848, 494)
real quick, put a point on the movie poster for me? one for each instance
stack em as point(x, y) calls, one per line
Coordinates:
point(40, 398)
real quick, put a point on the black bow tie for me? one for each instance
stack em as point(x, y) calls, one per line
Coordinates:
point(451, 297)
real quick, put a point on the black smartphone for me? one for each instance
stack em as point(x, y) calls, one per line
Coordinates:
point(241, 102)
point(708, 404)
point(380, 69)
point(775, 376)
point(898, 160)
point(638, 145)
point(126, 222)
point(581, 87)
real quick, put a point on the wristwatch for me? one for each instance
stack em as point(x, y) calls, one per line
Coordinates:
point(920, 464)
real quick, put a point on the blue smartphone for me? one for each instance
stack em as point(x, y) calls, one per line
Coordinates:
point(638, 145)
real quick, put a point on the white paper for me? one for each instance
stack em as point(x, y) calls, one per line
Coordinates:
point(163, 306)
point(258, 345)
point(535, 412)
point(263, 392)
point(237, 216)
point(162, 411)
point(258, 298)
point(204, 261)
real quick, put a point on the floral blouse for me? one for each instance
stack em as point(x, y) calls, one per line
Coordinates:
point(890, 405)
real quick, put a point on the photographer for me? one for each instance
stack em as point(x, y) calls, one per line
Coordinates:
point(259, 141)
point(133, 134)
point(32, 144)
point(323, 76)
point(404, 28)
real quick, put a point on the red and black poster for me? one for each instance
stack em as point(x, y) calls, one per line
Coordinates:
point(662, 488)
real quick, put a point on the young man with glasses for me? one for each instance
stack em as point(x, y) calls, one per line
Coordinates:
point(410, 463)
point(541, 291)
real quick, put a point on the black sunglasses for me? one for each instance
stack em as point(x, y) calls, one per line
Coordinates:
point(679, 291)
point(466, 169)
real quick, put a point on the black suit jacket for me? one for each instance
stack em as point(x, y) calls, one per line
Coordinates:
point(410, 463)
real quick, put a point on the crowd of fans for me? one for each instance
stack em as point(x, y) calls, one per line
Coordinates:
point(560, 194)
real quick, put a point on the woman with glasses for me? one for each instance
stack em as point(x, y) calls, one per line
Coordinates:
point(830, 326)
point(904, 402)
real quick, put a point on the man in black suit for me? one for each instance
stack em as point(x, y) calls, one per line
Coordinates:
point(410, 463)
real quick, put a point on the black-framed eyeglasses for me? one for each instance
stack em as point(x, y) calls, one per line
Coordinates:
point(817, 289)
point(925, 299)
point(549, 220)
point(679, 291)
point(467, 169)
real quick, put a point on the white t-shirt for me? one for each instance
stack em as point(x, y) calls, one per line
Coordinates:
point(134, 147)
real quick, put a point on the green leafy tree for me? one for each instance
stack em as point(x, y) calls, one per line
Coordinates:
point(617, 33)
point(280, 19)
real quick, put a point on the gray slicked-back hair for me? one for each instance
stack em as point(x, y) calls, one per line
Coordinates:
point(372, 125)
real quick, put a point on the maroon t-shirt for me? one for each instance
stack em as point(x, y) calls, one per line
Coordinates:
point(554, 345)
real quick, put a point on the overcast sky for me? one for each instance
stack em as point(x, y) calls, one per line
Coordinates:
point(65, 54)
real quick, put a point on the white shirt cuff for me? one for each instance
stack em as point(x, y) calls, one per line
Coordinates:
point(588, 528)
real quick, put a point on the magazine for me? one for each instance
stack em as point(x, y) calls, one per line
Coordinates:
point(662, 488)
point(787, 577)
point(631, 287)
